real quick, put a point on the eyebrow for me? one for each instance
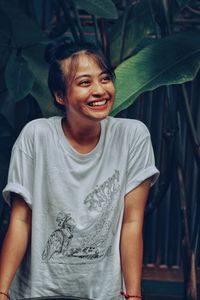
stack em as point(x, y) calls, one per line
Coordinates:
point(88, 75)
point(83, 75)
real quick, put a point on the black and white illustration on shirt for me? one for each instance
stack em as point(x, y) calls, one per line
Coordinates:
point(94, 241)
point(59, 240)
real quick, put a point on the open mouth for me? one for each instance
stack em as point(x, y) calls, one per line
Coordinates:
point(97, 103)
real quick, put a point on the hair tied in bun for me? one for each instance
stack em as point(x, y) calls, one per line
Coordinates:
point(52, 52)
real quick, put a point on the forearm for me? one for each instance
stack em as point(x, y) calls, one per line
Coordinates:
point(12, 253)
point(131, 257)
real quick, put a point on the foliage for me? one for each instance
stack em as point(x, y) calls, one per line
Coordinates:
point(17, 68)
point(23, 41)
point(179, 62)
point(137, 36)
point(101, 8)
point(132, 26)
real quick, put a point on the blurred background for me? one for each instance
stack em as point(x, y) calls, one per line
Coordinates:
point(154, 46)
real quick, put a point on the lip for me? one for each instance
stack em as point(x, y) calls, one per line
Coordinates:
point(98, 107)
point(97, 100)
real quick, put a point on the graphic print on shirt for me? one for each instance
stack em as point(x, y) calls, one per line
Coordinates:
point(59, 240)
point(94, 241)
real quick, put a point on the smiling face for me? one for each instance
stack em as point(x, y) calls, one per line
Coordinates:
point(90, 90)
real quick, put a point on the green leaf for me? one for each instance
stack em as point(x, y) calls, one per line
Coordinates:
point(5, 38)
point(40, 90)
point(172, 60)
point(138, 26)
point(102, 8)
point(24, 30)
point(4, 55)
point(182, 3)
point(19, 79)
point(43, 11)
point(5, 25)
point(38, 6)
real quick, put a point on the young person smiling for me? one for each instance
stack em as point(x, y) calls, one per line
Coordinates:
point(78, 187)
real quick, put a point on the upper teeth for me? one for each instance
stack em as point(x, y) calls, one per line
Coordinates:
point(98, 103)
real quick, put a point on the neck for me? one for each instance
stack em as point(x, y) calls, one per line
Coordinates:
point(83, 138)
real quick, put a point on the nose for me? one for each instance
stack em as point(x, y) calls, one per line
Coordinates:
point(98, 89)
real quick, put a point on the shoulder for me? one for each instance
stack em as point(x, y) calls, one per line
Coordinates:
point(128, 127)
point(38, 126)
point(35, 131)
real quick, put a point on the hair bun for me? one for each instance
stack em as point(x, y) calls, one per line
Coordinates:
point(53, 49)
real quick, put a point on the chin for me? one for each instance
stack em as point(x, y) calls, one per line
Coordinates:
point(100, 115)
point(97, 114)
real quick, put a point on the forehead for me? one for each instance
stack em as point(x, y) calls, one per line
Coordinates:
point(81, 63)
point(85, 62)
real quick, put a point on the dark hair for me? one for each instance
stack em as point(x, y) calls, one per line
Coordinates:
point(58, 51)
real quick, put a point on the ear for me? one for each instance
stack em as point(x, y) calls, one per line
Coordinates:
point(59, 99)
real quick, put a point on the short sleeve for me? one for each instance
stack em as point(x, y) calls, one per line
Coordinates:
point(21, 172)
point(141, 162)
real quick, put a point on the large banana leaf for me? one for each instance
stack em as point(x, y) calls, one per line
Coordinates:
point(101, 8)
point(39, 68)
point(171, 60)
point(18, 77)
point(139, 25)
point(24, 30)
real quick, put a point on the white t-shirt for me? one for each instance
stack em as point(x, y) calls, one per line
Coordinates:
point(77, 203)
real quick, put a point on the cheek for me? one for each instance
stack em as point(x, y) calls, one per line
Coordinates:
point(78, 94)
point(112, 90)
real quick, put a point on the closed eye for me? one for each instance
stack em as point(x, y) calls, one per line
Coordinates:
point(106, 79)
point(84, 82)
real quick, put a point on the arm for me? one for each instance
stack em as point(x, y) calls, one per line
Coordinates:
point(15, 243)
point(131, 244)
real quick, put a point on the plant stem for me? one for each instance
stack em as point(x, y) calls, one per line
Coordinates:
point(189, 270)
point(166, 8)
point(193, 10)
point(104, 38)
point(123, 32)
point(77, 17)
point(157, 27)
point(96, 29)
point(190, 122)
point(188, 254)
point(65, 8)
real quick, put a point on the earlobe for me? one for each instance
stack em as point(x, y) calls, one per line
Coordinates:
point(59, 100)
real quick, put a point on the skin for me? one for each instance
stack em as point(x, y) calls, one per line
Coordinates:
point(15, 242)
point(131, 244)
point(89, 85)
